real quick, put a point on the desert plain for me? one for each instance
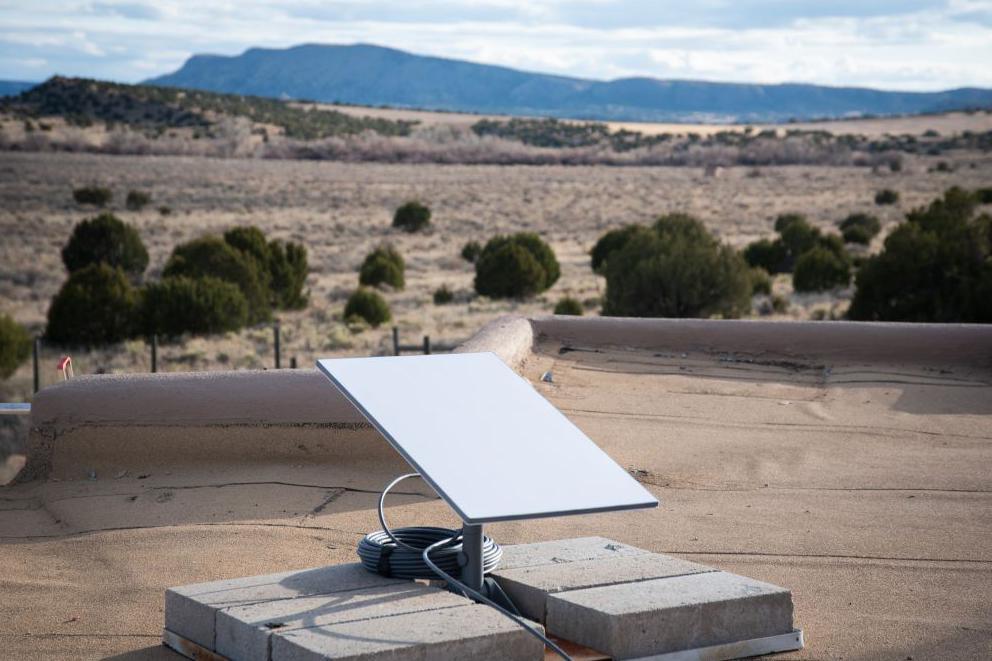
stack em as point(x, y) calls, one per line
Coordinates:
point(342, 210)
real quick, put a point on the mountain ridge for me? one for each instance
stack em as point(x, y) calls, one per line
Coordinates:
point(366, 74)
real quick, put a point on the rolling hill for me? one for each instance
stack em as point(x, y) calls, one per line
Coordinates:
point(372, 75)
point(83, 102)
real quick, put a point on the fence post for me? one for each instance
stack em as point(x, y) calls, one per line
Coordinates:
point(154, 352)
point(275, 333)
point(396, 341)
point(427, 345)
point(37, 356)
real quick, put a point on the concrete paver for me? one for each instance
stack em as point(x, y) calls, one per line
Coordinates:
point(190, 610)
point(670, 614)
point(529, 587)
point(560, 551)
point(466, 632)
point(243, 631)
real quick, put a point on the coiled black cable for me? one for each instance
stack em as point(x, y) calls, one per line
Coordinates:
point(430, 552)
point(399, 552)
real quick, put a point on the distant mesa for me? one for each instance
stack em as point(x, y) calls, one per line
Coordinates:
point(364, 74)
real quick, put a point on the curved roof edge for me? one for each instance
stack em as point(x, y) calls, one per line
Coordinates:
point(290, 398)
point(302, 396)
point(835, 341)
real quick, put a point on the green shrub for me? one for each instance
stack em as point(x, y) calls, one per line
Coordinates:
point(211, 256)
point(15, 346)
point(678, 269)
point(984, 195)
point(105, 239)
point(886, 196)
point(443, 295)
point(857, 234)
point(786, 219)
point(412, 217)
point(367, 305)
point(835, 244)
point(471, 251)
point(516, 266)
point(542, 252)
point(767, 254)
point(508, 271)
point(282, 265)
point(569, 306)
point(288, 269)
point(179, 305)
point(611, 241)
point(935, 267)
point(761, 282)
point(137, 200)
point(95, 195)
point(860, 228)
point(869, 222)
point(383, 266)
point(96, 305)
point(251, 241)
point(820, 269)
point(798, 236)
point(780, 304)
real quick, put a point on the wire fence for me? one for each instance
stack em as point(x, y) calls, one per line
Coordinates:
point(64, 365)
point(426, 347)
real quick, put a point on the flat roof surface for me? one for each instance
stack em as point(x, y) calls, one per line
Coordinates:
point(865, 489)
point(484, 438)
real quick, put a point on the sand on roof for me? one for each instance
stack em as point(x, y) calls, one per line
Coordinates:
point(866, 489)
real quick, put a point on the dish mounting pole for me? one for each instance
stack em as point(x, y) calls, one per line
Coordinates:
point(472, 574)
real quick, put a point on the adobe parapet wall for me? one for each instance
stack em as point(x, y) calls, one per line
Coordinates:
point(110, 422)
point(834, 342)
point(265, 416)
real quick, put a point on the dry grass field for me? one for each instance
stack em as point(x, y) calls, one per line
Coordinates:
point(341, 211)
point(944, 123)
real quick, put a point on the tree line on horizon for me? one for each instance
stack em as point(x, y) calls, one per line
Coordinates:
point(146, 119)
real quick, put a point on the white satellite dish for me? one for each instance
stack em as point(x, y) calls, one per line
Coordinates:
point(488, 443)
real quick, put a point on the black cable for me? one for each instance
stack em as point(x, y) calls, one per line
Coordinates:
point(430, 552)
point(399, 552)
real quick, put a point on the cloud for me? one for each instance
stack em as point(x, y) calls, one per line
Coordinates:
point(132, 10)
point(904, 44)
point(80, 41)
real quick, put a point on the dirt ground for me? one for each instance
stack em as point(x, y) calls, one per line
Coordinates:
point(342, 210)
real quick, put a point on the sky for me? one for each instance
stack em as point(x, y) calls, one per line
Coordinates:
point(908, 45)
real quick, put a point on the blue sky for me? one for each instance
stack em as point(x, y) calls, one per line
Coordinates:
point(912, 45)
